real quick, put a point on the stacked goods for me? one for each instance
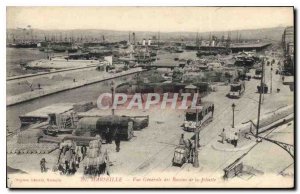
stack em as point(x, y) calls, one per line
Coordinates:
point(94, 149)
point(64, 121)
point(32, 148)
point(83, 106)
point(94, 156)
point(29, 136)
point(93, 152)
point(95, 161)
point(95, 144)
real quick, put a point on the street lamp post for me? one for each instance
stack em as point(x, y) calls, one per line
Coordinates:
point(233, 107)
point(271, 78)
point(113, 97)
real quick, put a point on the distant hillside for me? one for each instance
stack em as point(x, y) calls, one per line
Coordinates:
point(111, 35)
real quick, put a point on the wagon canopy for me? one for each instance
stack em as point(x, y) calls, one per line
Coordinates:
point(92, 123)
point(113, 120)
point(89, 123)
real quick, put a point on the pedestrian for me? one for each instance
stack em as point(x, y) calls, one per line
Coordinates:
point(213, 109)
point(235, 138)
point(282, 78)
point(43, 165)
point(83, 151)
point(39, 85)
point(223, 135)
point(187, 143)
point(78, 153)
point(181, 141)
point(117, 142)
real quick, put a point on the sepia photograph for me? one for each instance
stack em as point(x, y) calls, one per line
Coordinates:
point(150, 97)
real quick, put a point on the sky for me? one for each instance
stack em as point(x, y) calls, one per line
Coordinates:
point(164, 19)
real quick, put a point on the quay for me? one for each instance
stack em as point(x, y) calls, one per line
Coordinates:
point(12, 100)
point(20, 77)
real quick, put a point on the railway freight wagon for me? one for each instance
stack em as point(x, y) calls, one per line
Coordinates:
point(106, 127)
point(284, 114)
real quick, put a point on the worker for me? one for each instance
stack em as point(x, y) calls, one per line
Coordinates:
point(235, 139)
point(223, 136)
point(107, 135)
point(117, 142)
point(186, 143)
point(43, 165)
point(181, 141)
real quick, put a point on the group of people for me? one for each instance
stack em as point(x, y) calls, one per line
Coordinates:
point(67, 164)
point(70, 157)
point(232, 138)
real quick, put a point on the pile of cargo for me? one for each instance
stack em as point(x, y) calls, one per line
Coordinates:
point(31, 148)
point(97, 160)
point(29, 136)
point(83, 106)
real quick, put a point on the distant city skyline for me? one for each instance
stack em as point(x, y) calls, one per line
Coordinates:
point(163, 19)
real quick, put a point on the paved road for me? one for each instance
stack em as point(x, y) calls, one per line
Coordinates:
point(152, 150)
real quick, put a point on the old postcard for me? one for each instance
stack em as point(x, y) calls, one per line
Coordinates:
point(150, 97)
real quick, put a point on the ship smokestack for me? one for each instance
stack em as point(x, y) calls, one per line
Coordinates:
point(133, 34)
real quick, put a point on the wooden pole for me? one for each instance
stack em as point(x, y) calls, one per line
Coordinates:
point(196, 161)
point(259, 103)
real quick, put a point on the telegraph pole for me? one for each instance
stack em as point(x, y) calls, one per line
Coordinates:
point(271, 78)
point(263, 81)
point(259, 103)
point(196, 161)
